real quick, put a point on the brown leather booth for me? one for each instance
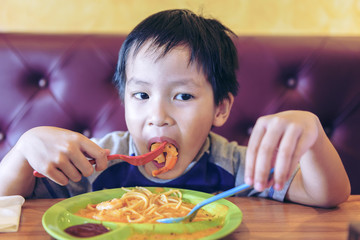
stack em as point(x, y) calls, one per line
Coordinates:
point(66, 81)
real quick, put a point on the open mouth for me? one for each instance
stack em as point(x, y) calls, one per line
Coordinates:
point(165, 161)
point(158, 165)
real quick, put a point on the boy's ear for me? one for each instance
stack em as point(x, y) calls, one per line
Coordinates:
point(222, 111)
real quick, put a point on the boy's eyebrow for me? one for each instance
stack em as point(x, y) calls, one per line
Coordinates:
point(186, 81)
point(176, 82)
point(137, 82)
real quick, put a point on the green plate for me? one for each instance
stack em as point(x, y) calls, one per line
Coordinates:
point(60, 216)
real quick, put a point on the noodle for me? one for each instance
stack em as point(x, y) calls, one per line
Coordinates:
point(139, 205)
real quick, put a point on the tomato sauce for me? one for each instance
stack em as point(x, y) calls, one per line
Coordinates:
point(86, 230)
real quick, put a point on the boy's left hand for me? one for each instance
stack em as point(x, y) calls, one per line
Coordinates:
point(279, 141)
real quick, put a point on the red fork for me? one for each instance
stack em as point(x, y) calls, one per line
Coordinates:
point(133, 160)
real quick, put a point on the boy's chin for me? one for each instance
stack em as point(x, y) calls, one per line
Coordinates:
point(171, 174)
point(166, 176)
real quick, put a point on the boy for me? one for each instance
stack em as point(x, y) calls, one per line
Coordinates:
point(176, 77)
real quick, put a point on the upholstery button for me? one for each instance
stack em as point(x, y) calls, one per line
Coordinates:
point(249, 131)
point(87, 133)
point(2, 136)
point(291, 82)
point(42, 83)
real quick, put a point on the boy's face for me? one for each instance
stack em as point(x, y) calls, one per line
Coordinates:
point(166, 99)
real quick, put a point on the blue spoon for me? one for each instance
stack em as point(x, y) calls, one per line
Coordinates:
point(189, 217)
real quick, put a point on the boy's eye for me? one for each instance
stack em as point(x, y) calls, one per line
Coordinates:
point(141, 95)
point(183, 96)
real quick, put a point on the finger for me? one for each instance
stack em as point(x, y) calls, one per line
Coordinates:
point(270, 182)
point(55, 175)
point(304, 143)
point(285, 156)
point(266, 152)
point(61, 170)
point(81, 162)
point(251, 152)
point(96, 152)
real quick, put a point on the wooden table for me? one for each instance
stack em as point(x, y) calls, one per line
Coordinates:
point(262, 219)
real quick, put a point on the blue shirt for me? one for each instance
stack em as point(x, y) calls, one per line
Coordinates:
point(219, 166)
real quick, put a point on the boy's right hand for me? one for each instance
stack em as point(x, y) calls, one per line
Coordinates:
point(61, 154)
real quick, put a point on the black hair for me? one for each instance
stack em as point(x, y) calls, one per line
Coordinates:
point(209, 41)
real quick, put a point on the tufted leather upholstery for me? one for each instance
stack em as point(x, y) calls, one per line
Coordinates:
point(65, 81)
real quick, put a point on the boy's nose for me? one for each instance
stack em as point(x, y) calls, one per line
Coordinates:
point(159, 115)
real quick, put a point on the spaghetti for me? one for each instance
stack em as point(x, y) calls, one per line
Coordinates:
point(139, 205)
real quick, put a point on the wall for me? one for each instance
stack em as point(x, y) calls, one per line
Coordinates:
point(247, 17)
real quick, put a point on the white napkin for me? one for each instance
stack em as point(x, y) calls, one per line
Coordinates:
point(10, 210)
